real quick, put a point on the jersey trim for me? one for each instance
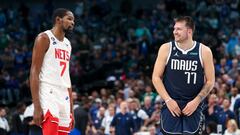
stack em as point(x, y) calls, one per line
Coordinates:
point(200, 53)
point(188, 50)
point(169, 53)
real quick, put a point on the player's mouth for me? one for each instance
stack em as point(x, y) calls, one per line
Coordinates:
point(176, 36)
point(70, 27)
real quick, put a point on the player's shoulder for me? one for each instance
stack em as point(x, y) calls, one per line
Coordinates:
point(205, 48)
point(165, 47)
point(42, 37)
point(42, 40)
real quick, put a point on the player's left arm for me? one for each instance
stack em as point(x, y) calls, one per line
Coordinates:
point(207, 59)
point(71, 106)
point(208, 72)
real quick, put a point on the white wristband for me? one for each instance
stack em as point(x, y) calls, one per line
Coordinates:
point(168, 100)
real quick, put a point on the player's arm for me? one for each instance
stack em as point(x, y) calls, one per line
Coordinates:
point(71, 100)
point(207, 59)
point(41, 45)
point(71, 107)
point(157, 77)
point(209, 72)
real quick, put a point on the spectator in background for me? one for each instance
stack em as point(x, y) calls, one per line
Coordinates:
point(222, 68)
point(140, 117)
point(97, 121)
point(104, 95)
point(75, 100)
point(122, 123)
point(213, 109)
point(232, 128)
point(31, 127)
point(148, 106)
point(153, 131)
point(231, 45)
point(234, 96)
point(233, 72)
point(95, 108)
point(4, 126)
point(227, 80)
point(237, 82)
point(17, 124)
point(106, 122)
point(155, 117)
point(211, 128)
point(149, 92)
point(81, 117)
point(226, 114)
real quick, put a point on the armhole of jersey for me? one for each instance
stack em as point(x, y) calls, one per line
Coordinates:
point(50, 41)
point(169, 53)
point(200, 54)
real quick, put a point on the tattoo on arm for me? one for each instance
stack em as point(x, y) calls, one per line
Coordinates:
point(205, 91)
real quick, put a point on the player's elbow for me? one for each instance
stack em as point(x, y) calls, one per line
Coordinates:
point(210, 83)
point(155, 78)
point(34, 74)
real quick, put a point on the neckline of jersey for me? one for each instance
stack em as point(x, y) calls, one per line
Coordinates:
point(188, 50)
point(56, 37)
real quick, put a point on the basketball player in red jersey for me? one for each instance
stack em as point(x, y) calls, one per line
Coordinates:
point(49, 76)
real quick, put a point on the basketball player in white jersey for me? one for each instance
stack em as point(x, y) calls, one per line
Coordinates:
point(49, 76)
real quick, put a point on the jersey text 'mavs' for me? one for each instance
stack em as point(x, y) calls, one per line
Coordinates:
point(186, 65)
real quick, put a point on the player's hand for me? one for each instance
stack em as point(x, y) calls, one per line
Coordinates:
point(190, 108)
point(38, 115)
point(72, 122)
point(173, 108)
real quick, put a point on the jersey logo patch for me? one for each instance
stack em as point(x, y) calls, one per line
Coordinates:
point(193, 53)
point(176, 54)
point(54, 42)
point(52, 38)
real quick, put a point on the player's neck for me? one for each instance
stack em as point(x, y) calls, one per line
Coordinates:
point(187, 44)
point(58, 33)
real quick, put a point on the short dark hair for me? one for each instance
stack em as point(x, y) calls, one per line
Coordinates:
point(59, 12)
point(189, 21)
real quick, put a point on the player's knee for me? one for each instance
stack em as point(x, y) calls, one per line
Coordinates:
point(50, 125)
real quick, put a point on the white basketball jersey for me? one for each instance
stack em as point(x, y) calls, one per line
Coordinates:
point(55, 66)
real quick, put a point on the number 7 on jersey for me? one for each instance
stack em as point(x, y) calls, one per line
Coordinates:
point(62, 63)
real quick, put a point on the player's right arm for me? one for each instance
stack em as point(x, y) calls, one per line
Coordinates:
point(157, 77)
point(41, 45)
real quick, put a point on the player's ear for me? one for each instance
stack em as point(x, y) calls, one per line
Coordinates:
point(58, 19)
point(190, 31)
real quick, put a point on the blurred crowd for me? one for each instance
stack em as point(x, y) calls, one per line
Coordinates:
point(114, 50)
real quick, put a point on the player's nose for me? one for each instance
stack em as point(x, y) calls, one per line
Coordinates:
point(174, 32)
point(72, 23)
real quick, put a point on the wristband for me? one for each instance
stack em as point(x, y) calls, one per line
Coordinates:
point(168, 100)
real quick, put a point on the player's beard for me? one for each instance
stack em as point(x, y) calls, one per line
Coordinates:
point(181, 38)
point(68, 31)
